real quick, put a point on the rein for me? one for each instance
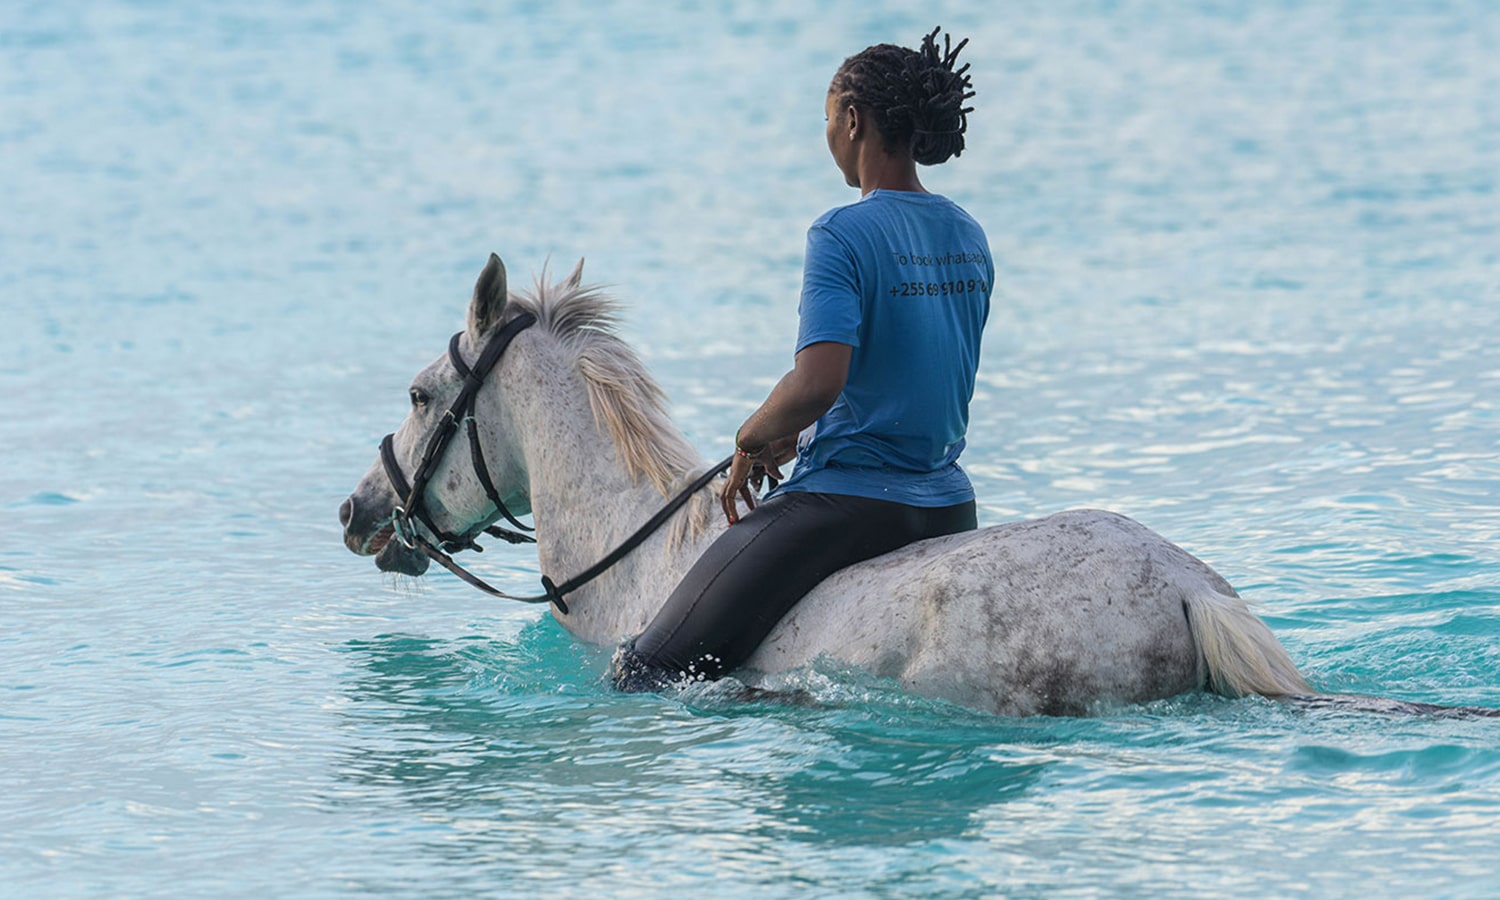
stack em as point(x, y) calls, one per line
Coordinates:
point(413, 496)
point(554, 593)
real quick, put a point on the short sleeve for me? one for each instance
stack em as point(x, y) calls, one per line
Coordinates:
point(830, 307)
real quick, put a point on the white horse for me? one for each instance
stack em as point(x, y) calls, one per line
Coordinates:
point(1053, 616)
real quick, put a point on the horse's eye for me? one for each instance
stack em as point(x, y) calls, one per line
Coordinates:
point(419, 397)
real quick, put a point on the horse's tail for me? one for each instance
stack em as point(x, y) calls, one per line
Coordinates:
point(1237, 651)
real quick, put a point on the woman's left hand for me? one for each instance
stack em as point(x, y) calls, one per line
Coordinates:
point(745, 476)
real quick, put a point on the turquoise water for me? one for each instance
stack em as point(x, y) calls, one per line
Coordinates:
point(1249, 265)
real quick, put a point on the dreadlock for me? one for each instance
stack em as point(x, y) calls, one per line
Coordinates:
point(916, 96)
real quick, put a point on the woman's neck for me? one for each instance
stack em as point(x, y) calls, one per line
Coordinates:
point(881, 171)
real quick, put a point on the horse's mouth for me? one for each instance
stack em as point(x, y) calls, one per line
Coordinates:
point(381, 538)
point(364, 544)
point(390, 555)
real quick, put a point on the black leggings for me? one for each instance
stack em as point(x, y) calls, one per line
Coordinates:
point(757, 570)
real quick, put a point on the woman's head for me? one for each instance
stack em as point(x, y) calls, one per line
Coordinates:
point(915, 97)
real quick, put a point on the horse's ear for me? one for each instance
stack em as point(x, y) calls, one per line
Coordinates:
point(489, 298)
point(575, 278)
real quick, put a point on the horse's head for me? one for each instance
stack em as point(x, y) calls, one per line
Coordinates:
point(431, 479)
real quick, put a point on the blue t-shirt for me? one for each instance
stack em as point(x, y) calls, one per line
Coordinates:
point(905, 279)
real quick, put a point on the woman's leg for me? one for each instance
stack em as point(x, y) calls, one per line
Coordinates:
point(757, 570)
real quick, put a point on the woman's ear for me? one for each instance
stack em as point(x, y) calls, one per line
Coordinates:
point(853, 121)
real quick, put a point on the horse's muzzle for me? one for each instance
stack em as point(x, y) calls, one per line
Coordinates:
point(368, 532)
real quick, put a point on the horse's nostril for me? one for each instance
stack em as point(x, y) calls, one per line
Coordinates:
point(346, 512)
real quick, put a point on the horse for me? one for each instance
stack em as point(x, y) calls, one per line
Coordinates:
point(1063, 615)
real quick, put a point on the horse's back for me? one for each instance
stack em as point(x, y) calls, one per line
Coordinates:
point(1048, 616)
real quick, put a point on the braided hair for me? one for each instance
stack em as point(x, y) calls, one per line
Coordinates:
point(916, 96)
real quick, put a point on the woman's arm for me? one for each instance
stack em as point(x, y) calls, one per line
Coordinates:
point(802, 395)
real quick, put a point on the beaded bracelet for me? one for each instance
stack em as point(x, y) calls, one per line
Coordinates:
point(741, 451)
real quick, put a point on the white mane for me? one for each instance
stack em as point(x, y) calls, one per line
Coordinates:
point(627, 403)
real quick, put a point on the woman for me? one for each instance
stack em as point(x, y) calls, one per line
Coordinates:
point(895, 292)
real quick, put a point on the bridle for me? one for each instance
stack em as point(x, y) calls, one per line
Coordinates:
point(412, 498)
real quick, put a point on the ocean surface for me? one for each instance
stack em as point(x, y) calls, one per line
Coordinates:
point(1248, 263)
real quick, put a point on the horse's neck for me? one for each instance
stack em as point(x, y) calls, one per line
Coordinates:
point(584, 504)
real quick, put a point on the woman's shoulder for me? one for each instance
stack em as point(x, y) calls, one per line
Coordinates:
point(838, 213)
point(881, 206)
